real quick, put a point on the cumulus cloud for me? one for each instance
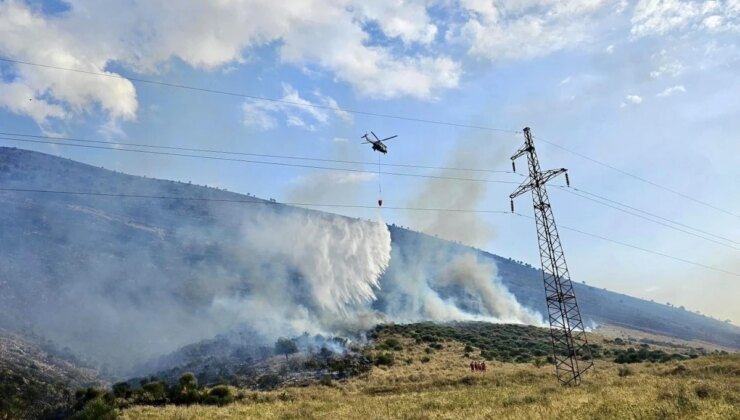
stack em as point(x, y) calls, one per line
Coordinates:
point(659, 17)
point(507, 29)
point(328, 35)
point(632, 100)
point(671, 90)
point(407, 20)
point(297, 111)
point(26, 35)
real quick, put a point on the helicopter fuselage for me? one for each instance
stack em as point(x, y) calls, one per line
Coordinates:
point(380, 147)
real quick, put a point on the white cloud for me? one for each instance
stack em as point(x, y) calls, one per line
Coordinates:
point(659, 17)
point(27, 36)
point(662, 16)
point(669, 69)
point(666, 65)
point(407, 20)
point(632, 100)
point(510, 30)
point(671, 90)
point(328, 35)
point(298, 111)
point(21, 99)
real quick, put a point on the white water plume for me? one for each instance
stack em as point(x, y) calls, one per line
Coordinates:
point(340, 259)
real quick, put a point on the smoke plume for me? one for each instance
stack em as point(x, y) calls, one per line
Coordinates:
point(120, 282)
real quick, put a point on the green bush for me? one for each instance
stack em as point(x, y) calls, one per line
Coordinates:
point(122, 390)
point(425, 359)
point(85, 395)
point(154, 392)
point(97, 409)
point(219, 395)
point(326, 380)
point(268, 381)
point(188, 381)
point(385, 359)
point(391, 344)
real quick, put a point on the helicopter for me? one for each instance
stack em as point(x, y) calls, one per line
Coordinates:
point(378, 144)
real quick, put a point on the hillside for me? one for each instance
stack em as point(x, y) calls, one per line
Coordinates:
point(36, 379)
point(123, 280)
point(432, 379)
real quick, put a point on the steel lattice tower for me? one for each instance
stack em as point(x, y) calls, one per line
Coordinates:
point(570, 348)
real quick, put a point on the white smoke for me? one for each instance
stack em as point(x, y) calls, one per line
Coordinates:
point(480, 280)
point(429, 280)
point(322, 274)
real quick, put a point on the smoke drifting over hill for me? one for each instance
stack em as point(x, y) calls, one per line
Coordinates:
point(123, 280)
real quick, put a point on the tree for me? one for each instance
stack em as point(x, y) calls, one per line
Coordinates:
point(188, 382)
point(286, 347)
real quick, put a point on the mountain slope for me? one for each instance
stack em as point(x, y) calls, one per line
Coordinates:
point(125, 279)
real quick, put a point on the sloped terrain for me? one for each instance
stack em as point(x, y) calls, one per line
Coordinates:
point(424, 381)
point(121, 280)
point(36, 379)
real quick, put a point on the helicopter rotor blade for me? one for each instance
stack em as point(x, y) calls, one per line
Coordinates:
point(390, 138)
point(375, 135)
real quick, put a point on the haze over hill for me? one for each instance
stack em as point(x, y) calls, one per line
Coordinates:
point(120, 280)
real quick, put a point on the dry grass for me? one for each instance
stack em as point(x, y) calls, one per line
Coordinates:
point(704, 388)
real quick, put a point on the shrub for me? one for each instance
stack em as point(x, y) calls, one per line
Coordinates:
point(425, 359)
point(391, 344)
point(268, 381)
point(679, 370)
point(624, 371)
point(385, 359)
point(188, 382)
point(326, 380)
point(97, 409)
point(155, 392)
point(219, 395)
point(122, 390)
point(703, 391)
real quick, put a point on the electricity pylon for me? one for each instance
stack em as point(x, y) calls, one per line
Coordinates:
point(570, 348)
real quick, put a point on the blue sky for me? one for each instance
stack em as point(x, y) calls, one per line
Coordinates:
point(649, 87)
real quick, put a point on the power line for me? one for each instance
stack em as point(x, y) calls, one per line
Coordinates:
point(639, 178)
point(153, 152)
point(261, 98)
point(568, 189)
point(593, 235)
point(649, 219)
point(373, 114)
point(226, 152)
point(255, 201)
point(329, 205)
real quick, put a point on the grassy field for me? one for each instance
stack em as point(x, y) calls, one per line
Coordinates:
point(443, 387)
